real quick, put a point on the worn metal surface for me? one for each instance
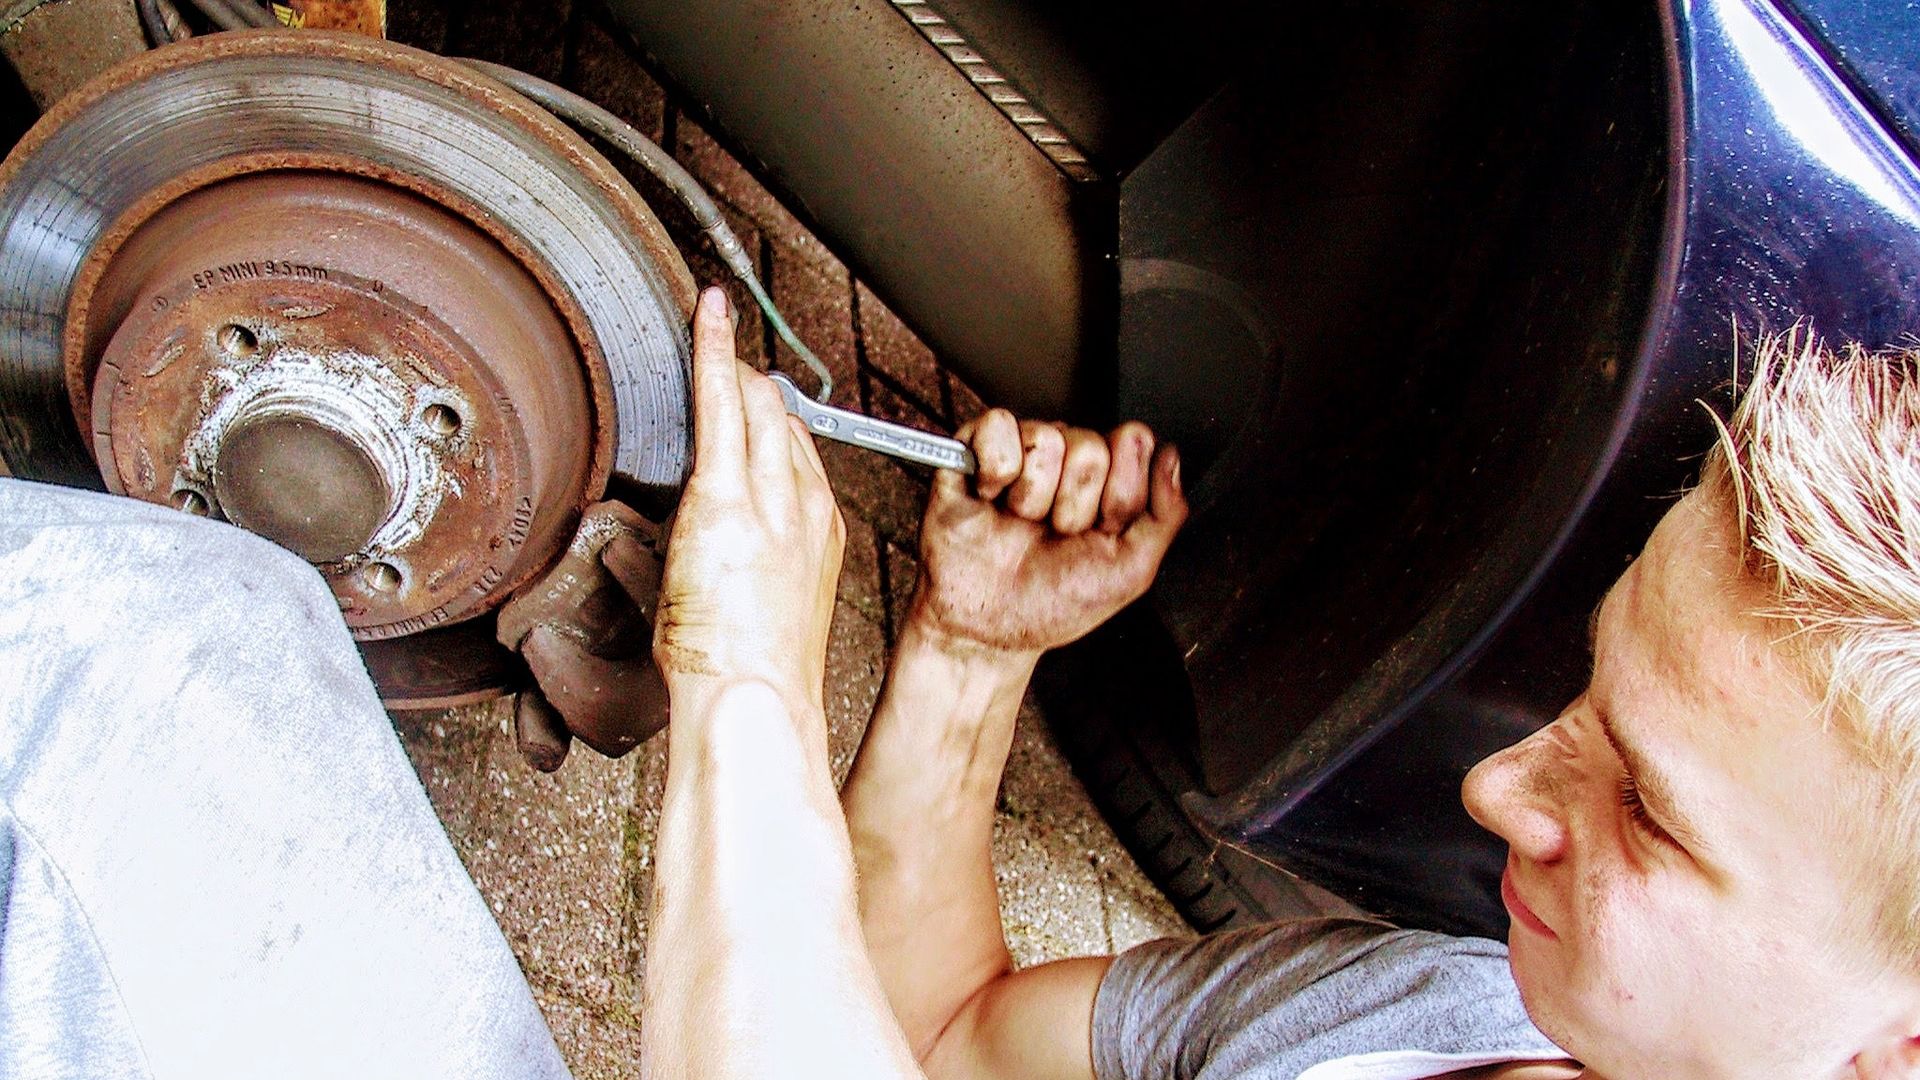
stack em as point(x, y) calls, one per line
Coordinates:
point(376, 307)
point(367, 17)
point(586, 631)
point(286, 98)
point(55, 46)
point(449, 375)
point(936, 200)
point(872, 433)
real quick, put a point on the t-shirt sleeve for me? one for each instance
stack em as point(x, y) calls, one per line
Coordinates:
point(1271, 1002)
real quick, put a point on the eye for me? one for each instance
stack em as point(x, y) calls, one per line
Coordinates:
point(1637, 810)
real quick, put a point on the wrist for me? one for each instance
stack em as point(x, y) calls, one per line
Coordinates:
point(925, 636)
point(956, 682)
point(697, 697)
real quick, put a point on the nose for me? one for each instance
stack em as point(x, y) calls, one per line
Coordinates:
point(1518, 794)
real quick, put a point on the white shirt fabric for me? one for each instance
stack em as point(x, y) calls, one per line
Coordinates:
point(215, 858)
point(1407, 1065)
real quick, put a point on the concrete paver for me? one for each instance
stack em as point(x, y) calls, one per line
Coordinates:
point(817, 302)
point(547, 851)
point(896, 352)
point(860, 582)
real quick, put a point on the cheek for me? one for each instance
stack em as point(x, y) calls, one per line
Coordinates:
point(1648, 951)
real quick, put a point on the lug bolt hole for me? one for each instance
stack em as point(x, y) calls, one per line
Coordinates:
point(190, 501)
point(441, 420)
point(237, 341)
point(382, 577)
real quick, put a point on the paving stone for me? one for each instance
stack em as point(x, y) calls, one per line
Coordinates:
point(547, 851)
point(1052, 904)
point(729, 180)
point(643, 826)
point(531, 37)
point(965, 403)
point(878, 489)
point(856, 664)
point(891, 347)
point(597, 1044)
point(605, 72)
point(887, 403)
point(817, 302)
point(1136, 912)
point(902, 576)
point(1067, 888)
point(860, 569)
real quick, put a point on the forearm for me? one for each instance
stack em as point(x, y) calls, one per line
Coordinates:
point(756, 965)
point(919, 806)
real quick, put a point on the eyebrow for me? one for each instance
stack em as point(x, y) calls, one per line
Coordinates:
point(1656, 787)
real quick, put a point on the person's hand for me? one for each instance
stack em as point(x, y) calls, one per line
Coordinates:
point(1058, 530)
point(748, 588)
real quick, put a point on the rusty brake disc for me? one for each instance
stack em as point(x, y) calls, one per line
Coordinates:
point(354, 297)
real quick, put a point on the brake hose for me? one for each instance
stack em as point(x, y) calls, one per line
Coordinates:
point(648, 155)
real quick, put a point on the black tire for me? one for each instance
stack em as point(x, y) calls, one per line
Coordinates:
point(1114, 701)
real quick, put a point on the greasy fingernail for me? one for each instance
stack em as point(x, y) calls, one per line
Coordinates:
point(1176, 470)
point(714, 301)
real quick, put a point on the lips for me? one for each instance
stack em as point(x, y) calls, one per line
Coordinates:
point(1516, 907)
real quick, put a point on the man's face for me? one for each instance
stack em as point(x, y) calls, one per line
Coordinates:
point(1678, 875)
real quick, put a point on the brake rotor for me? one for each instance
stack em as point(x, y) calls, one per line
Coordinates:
point(353, 297)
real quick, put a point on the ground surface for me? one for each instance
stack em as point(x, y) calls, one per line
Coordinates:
point(566, 861)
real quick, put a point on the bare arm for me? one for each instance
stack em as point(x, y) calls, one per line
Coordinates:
point(756, 966)
point(1061, 529)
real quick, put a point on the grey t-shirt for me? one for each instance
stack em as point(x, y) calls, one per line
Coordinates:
point(1268, 1003)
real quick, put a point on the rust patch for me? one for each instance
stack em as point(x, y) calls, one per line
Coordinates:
point(587, 638)
point(365, 17)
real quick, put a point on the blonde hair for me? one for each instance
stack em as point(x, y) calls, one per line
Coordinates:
point(1821, 464)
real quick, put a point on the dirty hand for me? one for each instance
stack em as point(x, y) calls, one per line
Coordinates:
point(1058, 530)
point(748, 588)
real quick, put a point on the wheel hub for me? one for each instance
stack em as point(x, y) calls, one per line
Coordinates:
point(427, 456)
point(356, 299)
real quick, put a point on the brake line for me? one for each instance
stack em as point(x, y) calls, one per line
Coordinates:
point(648, 155)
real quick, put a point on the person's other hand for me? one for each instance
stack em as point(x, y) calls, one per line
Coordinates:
point(754, 556)
point(1058, 530)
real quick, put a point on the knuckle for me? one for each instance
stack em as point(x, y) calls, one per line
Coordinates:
point(1089, 458)
point(1047, 445)
point(759, 390)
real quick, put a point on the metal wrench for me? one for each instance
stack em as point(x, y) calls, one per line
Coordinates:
point(858, 429)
